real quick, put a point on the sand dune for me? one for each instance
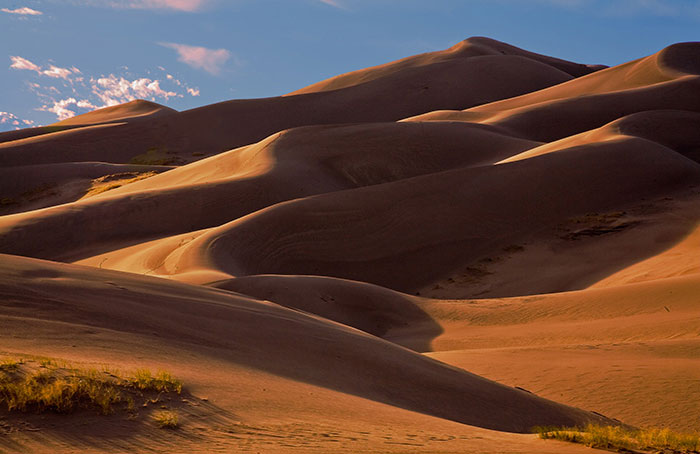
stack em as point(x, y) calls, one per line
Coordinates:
point(386, 234)
point(129, 111)
point(292, 164)
point(220, 324)
point(469, 48)
point(328, 270)
point(666, 80)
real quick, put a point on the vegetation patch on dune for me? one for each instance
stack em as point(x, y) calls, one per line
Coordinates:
point(47, 385)
point(166, 419)
point(114, 181)
point(619, 438)
point(156, 156)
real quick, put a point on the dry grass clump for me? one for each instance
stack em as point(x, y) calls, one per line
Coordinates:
point(26, 386)
point(617, 437)
point(166, 419)
point(114, 181)
point(162, 381)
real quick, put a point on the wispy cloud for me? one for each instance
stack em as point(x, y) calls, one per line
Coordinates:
point(23, 11)
point(333, 3)
point(180, 5)
point(23, 63)
point(210, 60)
point(52, 71)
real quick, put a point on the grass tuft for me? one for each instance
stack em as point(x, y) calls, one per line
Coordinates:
point(48, 387)
point(162, 381)
point(166, 419)
point(621, 438)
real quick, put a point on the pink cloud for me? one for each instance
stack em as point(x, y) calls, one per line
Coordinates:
point(178, 5)
point(333, 3)
point(56, 72)
point(23, 63)
point(210, 60)
point(24, 11)
point(53, 71)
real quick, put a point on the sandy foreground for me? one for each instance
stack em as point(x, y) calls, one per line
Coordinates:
point(432, 255)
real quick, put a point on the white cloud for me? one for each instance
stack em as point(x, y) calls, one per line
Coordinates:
point(12, 121)
point(193, 91)
point(210, 60)
point(23, 63)
point(24, 11)
point(60, 108)
point(56, 72)
point(112, 90)
point(7, 117)
point(85, 104)
point(53, 71)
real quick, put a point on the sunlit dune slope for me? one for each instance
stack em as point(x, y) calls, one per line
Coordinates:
point(629, 352)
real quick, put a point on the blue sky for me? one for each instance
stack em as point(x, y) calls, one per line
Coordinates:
point(64, 57)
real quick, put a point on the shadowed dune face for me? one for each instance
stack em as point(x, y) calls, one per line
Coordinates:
point(370, 308)
point(566, 197)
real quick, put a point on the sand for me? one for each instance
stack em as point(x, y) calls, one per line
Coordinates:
point(432, 255)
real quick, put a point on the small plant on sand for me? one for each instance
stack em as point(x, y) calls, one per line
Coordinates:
point(162, 381)
point(621, 438)
point(28, 386)
point(9, 364)
point(166, 419)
